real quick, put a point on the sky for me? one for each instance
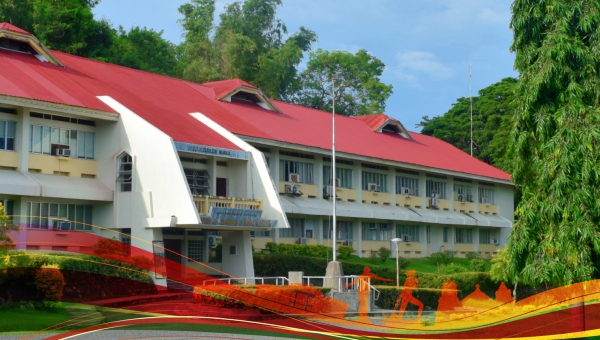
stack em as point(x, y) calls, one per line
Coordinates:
point(426, 45)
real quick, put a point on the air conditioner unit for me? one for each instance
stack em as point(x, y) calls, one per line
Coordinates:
point(405, 191)
point(433, 202)
point(337, 182)
point(212, 240)
point(406, 238)
point(461, 198)
point(484, 200)
point(349, 243)
point(373, 187)
point(65, 152)
point(63, 225)
point(372, 226)
point(303, 240)
point(294, 178)
point(495, 241)
point(328, 191)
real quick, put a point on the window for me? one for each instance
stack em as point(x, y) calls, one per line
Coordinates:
point(372, 231)
point(195, 250)
point(464, 191)
point(125, 172)
point(47, 139)
point(344, 230)
point(438, 187)
point(126, 241)
point(7, 135)
point(406, 182)
point(445, 234)
point(198, 181)
point(8, 207)
point(373, 177)
point(464, 235)
point(486, 196)
point(344, 175)
point(485, 236)
point(428, 232)
point(51, 215)
point(412, 231)
point(304, 170)
point(296, 228)
point(232, 250)
point(260, 234)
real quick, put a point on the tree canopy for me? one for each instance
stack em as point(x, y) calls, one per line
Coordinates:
point(555, 141)
point(358, 89)
point(493, 114)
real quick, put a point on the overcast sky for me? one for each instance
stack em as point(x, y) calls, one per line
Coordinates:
point(425, 44)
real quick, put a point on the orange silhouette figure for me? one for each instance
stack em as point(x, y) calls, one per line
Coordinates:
point(449, 299)
point(503, 294)
point(363, 281)
point(406, 297)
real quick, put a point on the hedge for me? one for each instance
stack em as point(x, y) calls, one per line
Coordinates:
point(429, 284)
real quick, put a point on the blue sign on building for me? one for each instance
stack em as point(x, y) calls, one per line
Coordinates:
point(234, 217)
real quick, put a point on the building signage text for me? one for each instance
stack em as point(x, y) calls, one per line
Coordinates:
point(211, 151)
point(232, 217)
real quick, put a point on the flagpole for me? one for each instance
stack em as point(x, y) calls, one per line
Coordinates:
point(333, 177)
point(471, 100)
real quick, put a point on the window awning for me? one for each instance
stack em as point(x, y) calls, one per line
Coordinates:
point(313, 206)
point(73, 187)
point(17, 183)
point(444, 217)
point(491, 220)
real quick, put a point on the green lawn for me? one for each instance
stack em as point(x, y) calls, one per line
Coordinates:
point(425, 265)
point(18, 320)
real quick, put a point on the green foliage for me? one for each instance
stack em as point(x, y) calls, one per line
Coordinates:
point(343, 252)
point(500, 265)
point(50, 283)
point(493, 112)
point(554, 143)
point(452, 268)
point(443, 257)
point(102, 266)
point(6, 226)
point(358, 89)
point(384, 254)
point(473, 255)
point(477, 265)
point(374, 256)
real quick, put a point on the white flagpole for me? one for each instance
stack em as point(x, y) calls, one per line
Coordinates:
point(333, 177)
point(471, 100)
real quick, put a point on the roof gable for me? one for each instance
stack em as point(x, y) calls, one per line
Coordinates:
point(383, 123)
point(16, 39)
point(228, 90)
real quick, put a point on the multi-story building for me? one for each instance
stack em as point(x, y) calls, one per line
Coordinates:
point(95, 147)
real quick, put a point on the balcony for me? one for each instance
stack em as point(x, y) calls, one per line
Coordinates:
point(342, 194)
point(409, 201)
point(204, 203)
point(443, 204)
point(9, 159)
point(306, 190)
point(73, 167)
point(486, 208)
point(464, 206)
point(374, 197)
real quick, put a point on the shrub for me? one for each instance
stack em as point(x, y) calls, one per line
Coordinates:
point(477, 265)
point(402, 262)
point(373, 257)
point(344, 252)
point(443, 257)
point(473, 255)
point(384, 254)
point(106, 246)
point(50, 283)
point(452, 268)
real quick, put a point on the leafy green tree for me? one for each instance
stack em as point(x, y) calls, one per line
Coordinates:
point(358, 89)
point(64, 25)
point(493, 117)
point(144, 49)
point(6, 226)
point(248, 44)
point(555, 141)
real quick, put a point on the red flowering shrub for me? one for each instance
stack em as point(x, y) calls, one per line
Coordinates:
point(49, 283)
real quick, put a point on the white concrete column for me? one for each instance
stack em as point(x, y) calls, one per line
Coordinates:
point(437, 238)
point(239, 264)
point(319, 176)
point(142, 238)
point(392, 186)
point(212, 164)
point(274, 167)
point(276, 235)
point(451, 237)
point(356, 236)
point(357, 174)
point(476, 238)
point(423, 189)
point(450, 192)
point(319, 230)
point(359, 239)
point(22, 138)
point(476, 196)
point(423, 239)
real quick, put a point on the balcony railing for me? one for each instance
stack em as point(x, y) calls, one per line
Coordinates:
point(204, 203)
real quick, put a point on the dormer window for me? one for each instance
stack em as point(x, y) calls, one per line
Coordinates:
point(390, 129)
point(237, 90)
point(384, 124)
point(15, 39)
point(248, 98)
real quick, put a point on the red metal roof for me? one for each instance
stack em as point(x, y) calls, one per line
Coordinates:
point(9, 27)
point(166, 103)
